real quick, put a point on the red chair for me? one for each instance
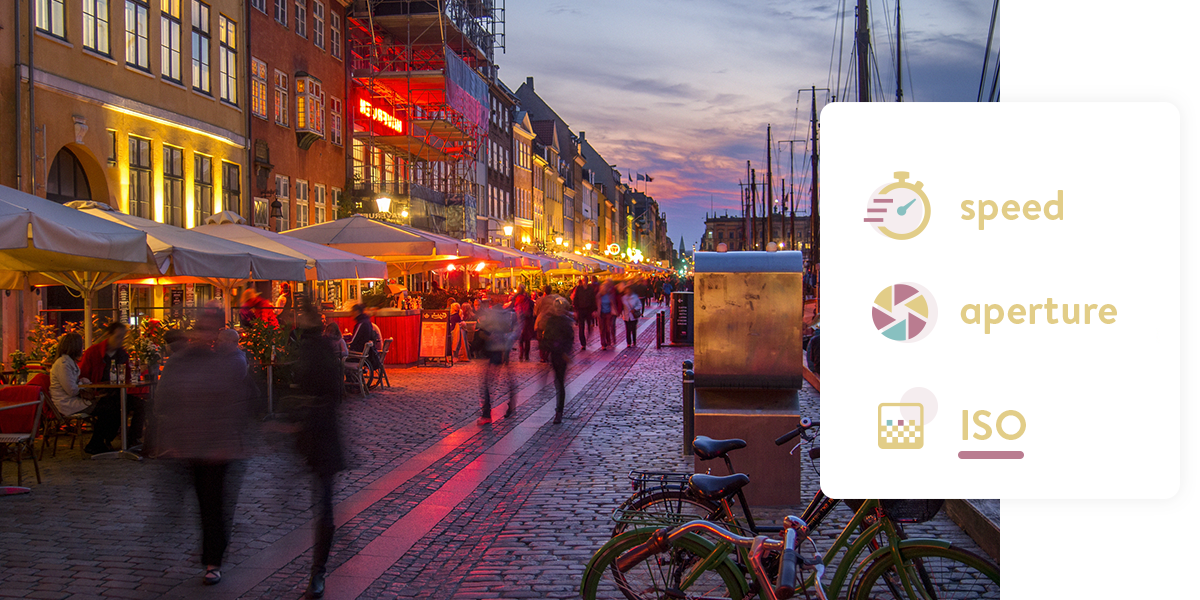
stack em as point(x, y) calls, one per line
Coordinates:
point(20, 417)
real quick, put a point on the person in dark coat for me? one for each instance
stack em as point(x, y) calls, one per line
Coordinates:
point(318, 375)
point(584, 300)
point(557, 335)
point(363, 331)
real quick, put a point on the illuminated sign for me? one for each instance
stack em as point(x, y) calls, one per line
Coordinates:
point(614, 249)
point(380, 116)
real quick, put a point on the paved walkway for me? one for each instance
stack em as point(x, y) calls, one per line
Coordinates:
point(434, 506)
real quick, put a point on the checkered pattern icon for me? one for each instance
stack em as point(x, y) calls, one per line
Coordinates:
point(898, 429)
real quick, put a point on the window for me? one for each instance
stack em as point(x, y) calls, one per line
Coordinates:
point(281, 12)
point(335, 35)
point(258, 88)
point(281, 99)
point(301, 203)
point(336, 197)
point(282, 189)
point(228, 32)
point(170, 27)
point(335, 121)
point(139, 177)
point(50, 17)
point(301, 20)
point(231, 187)
point(261, 5)
point(310, 105)
point(319, 24)
point(172, 186)
point(319, 214)
point(95, 26)
point(203, 189)
point(137, 34)
point(201, 36)
point(262, 212)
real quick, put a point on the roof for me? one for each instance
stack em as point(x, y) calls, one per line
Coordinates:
point(539, 110)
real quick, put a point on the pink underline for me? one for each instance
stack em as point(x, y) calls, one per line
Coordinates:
point(991, 454)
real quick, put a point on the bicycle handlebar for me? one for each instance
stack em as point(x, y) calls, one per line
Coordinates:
point(805, 424)
point(787, 567)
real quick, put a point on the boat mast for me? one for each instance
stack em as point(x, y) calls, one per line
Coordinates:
point(899, 78)
point(814, 219)
point(769, 197)
point(863, 49)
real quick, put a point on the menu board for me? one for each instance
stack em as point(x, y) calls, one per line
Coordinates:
point(435, 338)
point(681, 318)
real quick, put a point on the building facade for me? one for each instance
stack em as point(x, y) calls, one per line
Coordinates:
point(297, 105)
point(523, 195)
point(496, 206)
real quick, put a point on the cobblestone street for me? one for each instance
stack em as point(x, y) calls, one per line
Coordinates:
point(433, 506)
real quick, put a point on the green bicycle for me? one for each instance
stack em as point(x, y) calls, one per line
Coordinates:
point(679, 562)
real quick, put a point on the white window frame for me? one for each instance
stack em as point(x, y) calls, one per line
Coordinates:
point(281, 12)
point(335, 35)
point(319, 206)
point(302, 18)
point(137, 34)
point(261, 5)
point(281, 98)
point(301, 203)
point(310, 105)
point(335, 200)
point(335, 121)
point(319, 24)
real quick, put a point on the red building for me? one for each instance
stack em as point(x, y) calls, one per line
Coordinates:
point(297, 111)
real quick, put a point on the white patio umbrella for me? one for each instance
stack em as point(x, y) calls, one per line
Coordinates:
point(403, 250)
point(322, 263)
point(43, 238)
point(186, 253)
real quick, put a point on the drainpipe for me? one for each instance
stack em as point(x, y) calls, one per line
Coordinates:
point(17, 83)
point(248, 178)
point(32, 104)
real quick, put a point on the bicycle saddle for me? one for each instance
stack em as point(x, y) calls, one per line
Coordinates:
point(707, 448)
point(709, 487)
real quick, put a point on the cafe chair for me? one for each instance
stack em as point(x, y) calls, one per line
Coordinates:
point(19, 422)
point(383, 378)
point(357, 370)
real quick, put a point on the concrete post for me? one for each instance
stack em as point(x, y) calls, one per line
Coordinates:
point(689, 408)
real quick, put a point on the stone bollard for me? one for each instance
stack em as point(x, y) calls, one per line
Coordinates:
point(689, 408)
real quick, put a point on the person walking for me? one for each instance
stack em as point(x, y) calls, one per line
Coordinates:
point(496, 324)
point(606, 302)
point(540, 308)
point(557, 335)
point(255, 308)
point(584, 300)
point(318, 376)
point(631, 311)
point(523, 306)
point(202, 425)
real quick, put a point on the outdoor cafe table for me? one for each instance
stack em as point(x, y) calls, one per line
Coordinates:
point(124, 452)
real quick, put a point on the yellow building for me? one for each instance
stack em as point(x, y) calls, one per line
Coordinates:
point(140, 104)
point(523, 189)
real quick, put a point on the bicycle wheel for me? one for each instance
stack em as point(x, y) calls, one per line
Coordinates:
point(658, 507)
point(939, 572)
point(659, 576)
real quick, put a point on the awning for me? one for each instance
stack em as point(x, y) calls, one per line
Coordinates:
point(322, 263)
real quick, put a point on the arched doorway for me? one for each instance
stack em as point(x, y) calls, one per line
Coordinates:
point(66, 180)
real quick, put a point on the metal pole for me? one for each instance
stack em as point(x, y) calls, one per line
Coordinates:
point(689, 407)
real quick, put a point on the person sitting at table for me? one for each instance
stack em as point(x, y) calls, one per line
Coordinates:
point(64, 377)
point(97, 365)
point(363, 331)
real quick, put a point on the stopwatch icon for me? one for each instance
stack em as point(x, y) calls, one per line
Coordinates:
point(899, 210)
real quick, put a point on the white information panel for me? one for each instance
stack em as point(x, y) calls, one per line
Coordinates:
point(1000, 300)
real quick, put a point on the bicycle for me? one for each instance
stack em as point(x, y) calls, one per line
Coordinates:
point(878, 521)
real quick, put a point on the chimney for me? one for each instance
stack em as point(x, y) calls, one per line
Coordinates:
point(582, 137)
point(529, 82)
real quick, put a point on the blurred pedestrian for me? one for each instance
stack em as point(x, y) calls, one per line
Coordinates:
point(523, 305)
point(584, 301)
point(286, 305)
point(606, 302)
point(631, 311)
point(539, 309)
point(200, 416)
point(318, 376)
point(496, 325)
point(557, 330)
point(256, 308)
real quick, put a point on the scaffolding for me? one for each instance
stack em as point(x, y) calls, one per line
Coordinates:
point(420, 69)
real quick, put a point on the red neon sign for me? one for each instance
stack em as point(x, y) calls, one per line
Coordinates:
point(380, 116)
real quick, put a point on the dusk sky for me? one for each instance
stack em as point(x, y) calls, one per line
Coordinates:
point(683, 90)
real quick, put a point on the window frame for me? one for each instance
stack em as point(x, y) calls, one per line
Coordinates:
point(227, 60)
point(302, 198)
point(258, 88)
point(171, 22)
point(92, 22)
point(201, 47)
point(319, 203)
point(139, 206)
point(173, 174)
point(335, 34)
point(202, 188)
point(138, 40)
point(51, 18)
point(302, 18)
point(281, 98)
point(335, 121)
point(318, 27)
point(281, 12)
point(259, 5)
point(231, 187)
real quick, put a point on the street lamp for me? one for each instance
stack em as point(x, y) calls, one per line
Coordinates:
point(508, 229)
point(383, 203)
point(277, 213)
point(558, 239)
point(404, 213)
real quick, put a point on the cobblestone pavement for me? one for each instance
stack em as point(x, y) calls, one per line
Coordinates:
point(433, 506)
